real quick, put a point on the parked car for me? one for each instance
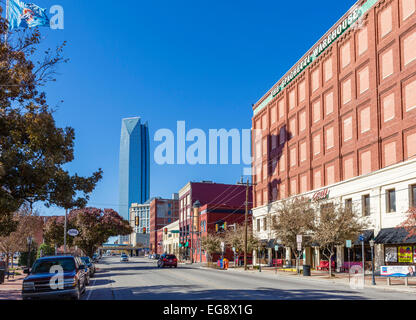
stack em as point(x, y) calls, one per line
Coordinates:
point(156, 256)
point(38, 284)
point(91, 266)
point(167, 260)
point(124, 257)
point(150, 256)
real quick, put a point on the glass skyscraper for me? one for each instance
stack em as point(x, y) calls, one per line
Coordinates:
point(134, 165)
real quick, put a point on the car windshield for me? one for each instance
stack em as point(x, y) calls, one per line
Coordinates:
point(44, 266)
point(85, 259)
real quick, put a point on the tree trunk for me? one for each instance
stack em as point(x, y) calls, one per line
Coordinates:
point(330, 265)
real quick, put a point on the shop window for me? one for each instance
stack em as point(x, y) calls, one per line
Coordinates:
point(362, 41)
point(410, 96)
point(389, 154)
point(386, 21)
point(391, 200)
point(409, 48)
point(365, 203)
point(408, 8)
point(413, 196)
point(302, 91)
point(348, 204)
point(387, 64)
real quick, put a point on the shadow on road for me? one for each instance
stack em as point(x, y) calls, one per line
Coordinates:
point(194, 292)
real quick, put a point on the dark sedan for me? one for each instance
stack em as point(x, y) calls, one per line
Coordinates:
point(167, 260)
point(55, 277)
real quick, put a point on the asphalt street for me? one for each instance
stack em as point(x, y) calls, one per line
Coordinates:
point(140, 279)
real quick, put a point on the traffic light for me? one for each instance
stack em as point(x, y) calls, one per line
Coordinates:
point(144, 229)
point(216, 227)
point(225, 225)
point(166, 230)
point(136, 221)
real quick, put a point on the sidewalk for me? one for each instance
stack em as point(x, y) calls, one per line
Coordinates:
point(397, 284)
point(11, 289)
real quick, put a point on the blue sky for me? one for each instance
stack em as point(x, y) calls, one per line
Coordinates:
point(202, 62)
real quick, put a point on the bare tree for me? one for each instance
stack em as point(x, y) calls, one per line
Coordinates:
point(294, 216)
point(336, 224)
point(211, 244)
point(234, 237)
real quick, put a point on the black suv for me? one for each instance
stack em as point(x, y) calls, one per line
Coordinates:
point(43, 280)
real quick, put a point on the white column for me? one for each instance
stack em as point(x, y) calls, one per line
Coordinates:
point(340, 257)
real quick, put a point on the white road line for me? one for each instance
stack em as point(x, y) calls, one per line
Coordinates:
point(91, 289)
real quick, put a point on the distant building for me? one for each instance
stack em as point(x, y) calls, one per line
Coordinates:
point(142, 211)
point(162, 213)
point(134, 166)
point(171, 238)
point(206, 192)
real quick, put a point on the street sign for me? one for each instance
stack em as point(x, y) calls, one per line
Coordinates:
point(276, 247)
point(299, 238)
point(299, 246)
point(73, 232)
point(174, 231)
point(361, 237)
point(348, 243)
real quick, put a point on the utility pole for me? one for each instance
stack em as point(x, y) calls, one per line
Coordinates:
point(66, 213)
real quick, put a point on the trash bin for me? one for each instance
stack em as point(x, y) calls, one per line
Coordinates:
point(306, 270)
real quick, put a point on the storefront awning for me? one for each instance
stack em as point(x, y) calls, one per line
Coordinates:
point(368, 235)
point(268, 243)
point(394, 235)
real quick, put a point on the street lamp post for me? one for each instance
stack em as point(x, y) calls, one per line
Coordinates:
point(372, 260)
point(29, 242)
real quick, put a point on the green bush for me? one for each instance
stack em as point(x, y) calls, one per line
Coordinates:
point(23, 258)
point(45, 250)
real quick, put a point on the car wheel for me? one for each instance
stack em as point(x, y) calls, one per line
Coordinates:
point(176, 266)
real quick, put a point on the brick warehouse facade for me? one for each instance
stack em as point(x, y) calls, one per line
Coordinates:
point(350, 112)
point(343, 121)
point(162, 213)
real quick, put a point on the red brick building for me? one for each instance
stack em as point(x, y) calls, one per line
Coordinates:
point(162, 213)
point(347, 108)
point(207, 193)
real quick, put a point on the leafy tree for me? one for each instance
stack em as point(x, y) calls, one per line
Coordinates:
point(33, 150)
point(211, 243)
point(234, 237)
point(336, 224)
point(409, 224)
point(53, 231)
point(295, 216)
point(96, 226)
point(45, 250)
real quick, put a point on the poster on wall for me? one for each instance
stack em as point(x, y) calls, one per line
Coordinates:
point(391, 254)
point(397, 271)
point(414, 254)
point(405, 254)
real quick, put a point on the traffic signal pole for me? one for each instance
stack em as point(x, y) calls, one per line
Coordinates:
point(245, 228)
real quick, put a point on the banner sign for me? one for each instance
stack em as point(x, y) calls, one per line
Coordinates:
point(317, 51)
point(321, 195)
point(405, 254)
point(397, 271)
point(348, 243)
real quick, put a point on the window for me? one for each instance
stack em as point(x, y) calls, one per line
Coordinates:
point(364, 79)
point(388, 107)
point(410, 95)
point(258, 225)
point(386, 64)
point(345, 55)
point(386, 21)
point(391, 200)
point(365, 120)
point(366, 205)
point(301, 91)
point(348, 129)
point(409, 48)
point(328, 69)
point(408, 8)
point(348, 204)
point(264, 224)
point(346, 91)
point(362, 41)
point(316, 111)
point(413, 196)
point(315, 79)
